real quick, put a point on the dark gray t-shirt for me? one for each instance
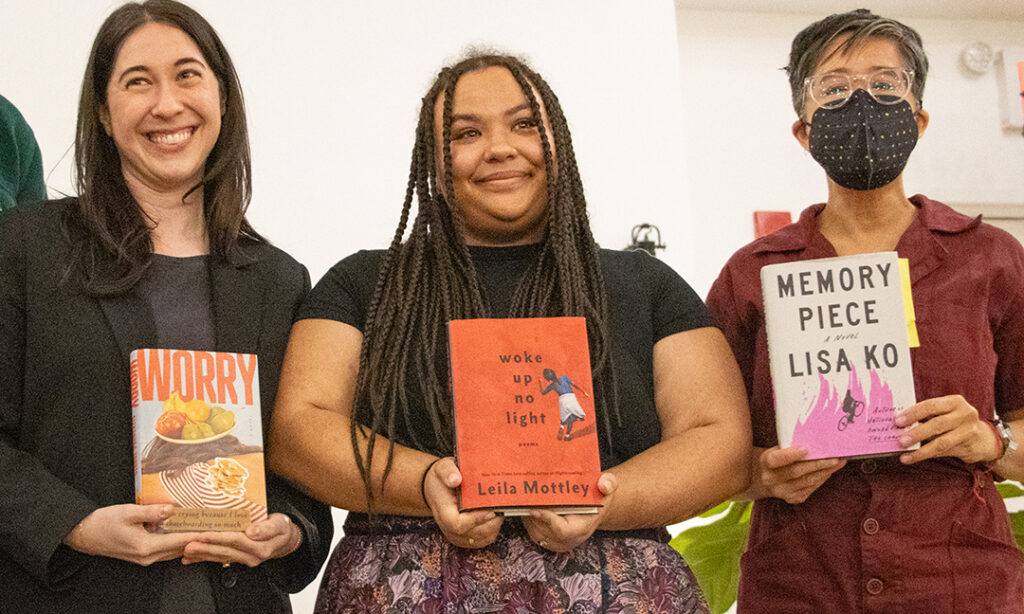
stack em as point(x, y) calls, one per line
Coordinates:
point(177, 291)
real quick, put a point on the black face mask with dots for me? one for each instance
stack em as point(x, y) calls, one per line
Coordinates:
point(863, 144)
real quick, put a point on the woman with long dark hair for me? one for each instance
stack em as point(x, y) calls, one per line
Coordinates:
point(364, 418)
point(155, 251)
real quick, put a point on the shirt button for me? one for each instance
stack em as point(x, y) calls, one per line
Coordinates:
point(870, 526)
point(228, 577)
point(869, 466)
point(875, 586)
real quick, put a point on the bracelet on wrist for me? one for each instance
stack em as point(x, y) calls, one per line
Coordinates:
point(423, 481)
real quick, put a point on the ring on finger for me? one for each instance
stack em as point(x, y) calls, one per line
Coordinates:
point(543, 543)
point(471, 541)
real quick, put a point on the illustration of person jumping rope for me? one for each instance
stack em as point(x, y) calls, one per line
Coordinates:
point(852, 408)
point(569, 410)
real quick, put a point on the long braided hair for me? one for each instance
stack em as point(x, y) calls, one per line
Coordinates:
point(429, 278)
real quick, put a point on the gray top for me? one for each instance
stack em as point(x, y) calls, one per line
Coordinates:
point(177, 291)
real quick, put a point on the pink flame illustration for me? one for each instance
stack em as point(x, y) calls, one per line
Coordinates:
point(825, 429)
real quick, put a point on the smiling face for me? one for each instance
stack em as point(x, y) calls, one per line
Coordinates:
point(497, 159)
point(163, 109)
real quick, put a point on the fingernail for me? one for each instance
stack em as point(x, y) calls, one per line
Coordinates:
point(901, 421)
point(905, 459)
point(904, 440)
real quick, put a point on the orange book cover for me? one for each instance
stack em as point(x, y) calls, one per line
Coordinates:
point(198, 437)
point(524, 415)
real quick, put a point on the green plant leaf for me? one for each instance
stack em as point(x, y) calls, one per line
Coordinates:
point(713, 553)
point(1010, 489)
point(718, 509)
point(1017, 525)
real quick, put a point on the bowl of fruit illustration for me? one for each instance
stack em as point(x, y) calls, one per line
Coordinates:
point(192, 422)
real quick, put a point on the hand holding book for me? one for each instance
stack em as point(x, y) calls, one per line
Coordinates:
point(128, 532)
point(273, 537)
point(563, 532)
point(783, 473)
point(947, 426)
point(469, 529)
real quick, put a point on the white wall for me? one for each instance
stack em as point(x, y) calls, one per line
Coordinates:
point(740, 155)
point(333, 90)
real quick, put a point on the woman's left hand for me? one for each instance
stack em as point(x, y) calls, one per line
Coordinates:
point(561, 533)
point(272, 538)
point(947, 426)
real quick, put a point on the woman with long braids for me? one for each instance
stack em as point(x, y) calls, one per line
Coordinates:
point(364, 421)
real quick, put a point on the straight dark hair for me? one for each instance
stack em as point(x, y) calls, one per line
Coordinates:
point(429, 279)
point(109, 233)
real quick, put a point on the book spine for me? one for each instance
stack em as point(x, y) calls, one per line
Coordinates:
point(133, 369)
point(770, 326)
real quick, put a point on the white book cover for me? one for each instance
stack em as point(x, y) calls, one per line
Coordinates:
point(839, 353)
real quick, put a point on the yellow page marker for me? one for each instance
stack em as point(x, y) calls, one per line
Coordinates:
point(908, 304)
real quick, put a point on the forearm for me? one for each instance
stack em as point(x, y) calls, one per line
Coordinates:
point(37, 510)
point(680, 477)
point(756, 488)
point(313, 449)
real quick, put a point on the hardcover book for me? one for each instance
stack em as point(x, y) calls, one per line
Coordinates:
point(839, 336)
point(198, 437)
point(524, 415)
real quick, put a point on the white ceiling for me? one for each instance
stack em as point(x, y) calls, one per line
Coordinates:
point(952, 9)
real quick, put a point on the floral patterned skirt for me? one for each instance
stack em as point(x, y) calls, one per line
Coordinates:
point(403, 565)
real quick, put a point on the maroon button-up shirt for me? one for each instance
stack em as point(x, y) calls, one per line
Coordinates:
point(879, 536)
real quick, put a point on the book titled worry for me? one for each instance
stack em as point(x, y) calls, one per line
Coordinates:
point(525, 427)
point(839, 333)
point(198, 437)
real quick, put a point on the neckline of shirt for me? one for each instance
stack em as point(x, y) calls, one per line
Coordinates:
point(486, 253)
point(180, 260)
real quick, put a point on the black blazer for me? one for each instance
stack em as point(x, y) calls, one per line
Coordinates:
point(65, 422)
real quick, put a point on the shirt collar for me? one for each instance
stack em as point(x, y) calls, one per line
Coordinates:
point(932, 215)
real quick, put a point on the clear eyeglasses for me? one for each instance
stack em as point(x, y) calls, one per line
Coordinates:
point(833, 89)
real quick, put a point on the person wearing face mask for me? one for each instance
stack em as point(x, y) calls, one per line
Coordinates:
point(924, 530)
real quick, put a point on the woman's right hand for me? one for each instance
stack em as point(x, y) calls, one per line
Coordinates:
point(782, 473)
point(128, 532)
point(464, 529)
